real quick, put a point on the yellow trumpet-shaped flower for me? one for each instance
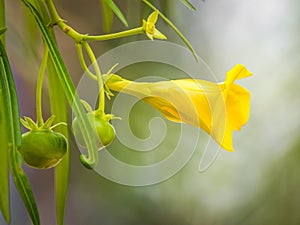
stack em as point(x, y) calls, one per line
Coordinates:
point(217, 108)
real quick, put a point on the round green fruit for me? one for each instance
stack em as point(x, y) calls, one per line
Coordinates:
point(101, 128)
point(43, 149)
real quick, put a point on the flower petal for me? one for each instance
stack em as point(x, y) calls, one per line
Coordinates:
point(150, 36)
point(237, 72)
point(157, 34)
point(153, 17)
point(165, 107)
point(237, 106)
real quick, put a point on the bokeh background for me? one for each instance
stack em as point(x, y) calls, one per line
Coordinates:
point(257, 184)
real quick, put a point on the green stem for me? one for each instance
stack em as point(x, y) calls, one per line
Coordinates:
point(56, 20)
point(82, 62)
point(93, 59)
point(126, 33)
point(52, 10)
point(39, 114)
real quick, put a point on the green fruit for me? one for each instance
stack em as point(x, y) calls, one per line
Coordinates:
point(101, 128)
point(43, 149)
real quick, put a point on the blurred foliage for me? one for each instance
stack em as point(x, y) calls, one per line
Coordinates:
point(277, 202)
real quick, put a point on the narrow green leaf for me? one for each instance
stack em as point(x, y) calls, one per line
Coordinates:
point(188, 4)
point(31, 33)
point(13, 130)
point(108, 16)
point(2, 30)
point(23, 185)
point(13, 106)
point(117, 11)
point(41, 8)
point(4, 168)
point(67, 85)
point(59, 108)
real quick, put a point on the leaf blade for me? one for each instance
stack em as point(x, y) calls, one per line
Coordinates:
point(2, 20)
point(14, 137)
point(117, 11)
point(4, 168)
point(23, 185)
point(108, 16)
point(188, 4)
point(59, 109)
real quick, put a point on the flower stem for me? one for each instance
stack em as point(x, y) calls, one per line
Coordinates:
point(39, 114)
point(56, 20)
point(126, 33)
point(93, 59)
point(82, 62)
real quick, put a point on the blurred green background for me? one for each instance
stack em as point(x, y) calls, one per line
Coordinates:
point(257, 184)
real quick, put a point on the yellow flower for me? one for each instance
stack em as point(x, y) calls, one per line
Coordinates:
point(217, 108)
point(149, 27)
